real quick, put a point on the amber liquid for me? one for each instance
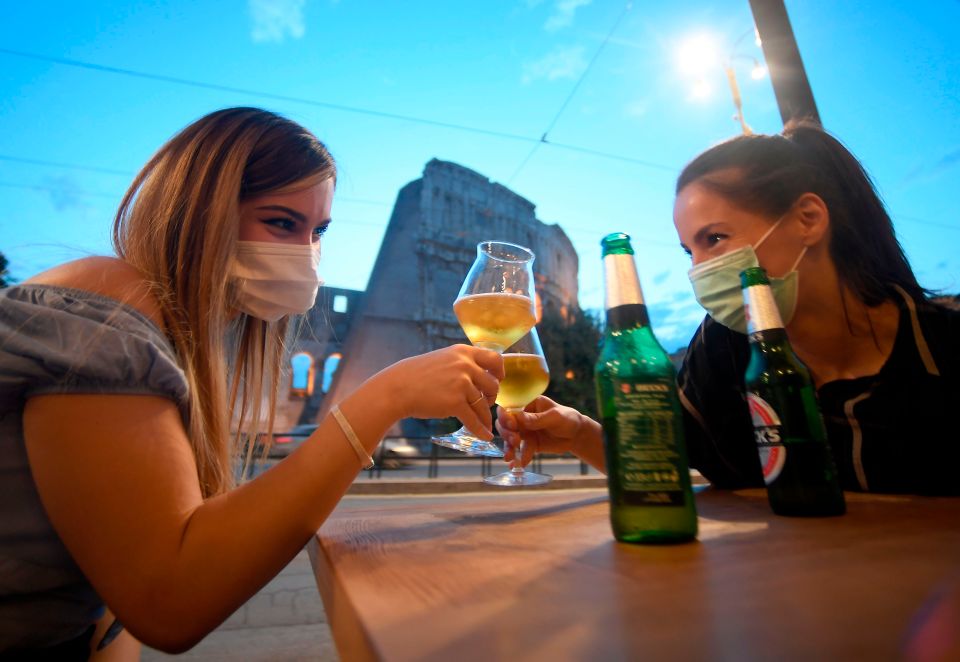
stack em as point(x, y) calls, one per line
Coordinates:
point(525, 378)
point(495, 320)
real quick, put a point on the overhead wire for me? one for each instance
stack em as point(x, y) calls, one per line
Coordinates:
point(116, 196)
point(365, 111)
point(543, 137)
point(340, 198)
point(322, 104)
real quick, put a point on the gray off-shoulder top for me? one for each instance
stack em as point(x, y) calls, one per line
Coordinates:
point(56, 340)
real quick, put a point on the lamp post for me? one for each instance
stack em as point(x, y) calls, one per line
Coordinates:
point(780, 51)
point(758, 72)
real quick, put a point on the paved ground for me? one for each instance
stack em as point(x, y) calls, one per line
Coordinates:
point(285, 621)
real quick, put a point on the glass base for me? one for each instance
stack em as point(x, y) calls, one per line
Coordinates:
point(518, 479)
point(463, 441)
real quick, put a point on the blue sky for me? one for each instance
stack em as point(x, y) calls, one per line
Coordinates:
point(886, 77)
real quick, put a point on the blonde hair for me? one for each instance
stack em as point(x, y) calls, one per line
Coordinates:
point(178, 224)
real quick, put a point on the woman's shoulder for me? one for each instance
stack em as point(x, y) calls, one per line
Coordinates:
point(716, 357)
point(714, 342)
point(106, 276)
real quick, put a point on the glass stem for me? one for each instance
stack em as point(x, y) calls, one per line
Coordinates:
point(518, 469)
point(490, 345)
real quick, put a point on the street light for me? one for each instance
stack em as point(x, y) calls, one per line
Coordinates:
point(699, 54)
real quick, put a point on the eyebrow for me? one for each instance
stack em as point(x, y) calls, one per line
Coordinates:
point(707, 229)
point(702, 232)
point(292, 212)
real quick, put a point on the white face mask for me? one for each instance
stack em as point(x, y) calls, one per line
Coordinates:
point(274, 280)
point(716, 284)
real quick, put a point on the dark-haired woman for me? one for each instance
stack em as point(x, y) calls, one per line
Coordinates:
point(885, 359)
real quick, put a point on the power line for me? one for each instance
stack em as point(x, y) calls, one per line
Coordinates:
point(66, 166)
point(344, 108)
point(55, 189)
point(268, 95)
point(365, 201)
point(322, 104)
point(569, 229)
point(116, 196)
point(911, 219)
point(626, 159)
point(125, 173)
point(563, 106)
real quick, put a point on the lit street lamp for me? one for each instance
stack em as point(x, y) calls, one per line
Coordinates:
point(697, 56)
point(756, 73)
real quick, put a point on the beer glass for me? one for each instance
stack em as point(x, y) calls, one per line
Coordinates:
point(526, 378)
point(495, 307)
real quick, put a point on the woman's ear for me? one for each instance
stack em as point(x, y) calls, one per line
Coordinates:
point(814, 218)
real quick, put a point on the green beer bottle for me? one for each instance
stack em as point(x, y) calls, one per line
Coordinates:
point(648, 477)
point(797, 463)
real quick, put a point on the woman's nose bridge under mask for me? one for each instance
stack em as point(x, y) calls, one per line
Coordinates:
point(716, 284)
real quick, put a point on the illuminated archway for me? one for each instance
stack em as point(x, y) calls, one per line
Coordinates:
point(301, 375)
point(329, 369)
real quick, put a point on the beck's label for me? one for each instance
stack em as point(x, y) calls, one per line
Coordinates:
point(767, 431)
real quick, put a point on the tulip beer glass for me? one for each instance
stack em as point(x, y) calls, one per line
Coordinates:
point(495, 308)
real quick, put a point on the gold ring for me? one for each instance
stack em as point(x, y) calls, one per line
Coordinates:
point(482, 397)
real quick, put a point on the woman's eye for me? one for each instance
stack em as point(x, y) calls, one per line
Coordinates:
point(281, 223)
point(320, 231)
point(715, 238)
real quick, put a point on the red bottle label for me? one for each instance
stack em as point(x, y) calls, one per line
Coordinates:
point(767, 433)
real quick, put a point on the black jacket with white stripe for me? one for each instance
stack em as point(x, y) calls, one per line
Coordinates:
point(897, 431)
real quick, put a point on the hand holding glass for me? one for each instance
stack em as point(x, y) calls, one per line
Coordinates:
point(495, 308)
point(526, 377)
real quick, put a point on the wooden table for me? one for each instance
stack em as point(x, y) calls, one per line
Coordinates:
point(538, 576)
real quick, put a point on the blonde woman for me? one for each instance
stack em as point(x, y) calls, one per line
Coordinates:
point(123, 381)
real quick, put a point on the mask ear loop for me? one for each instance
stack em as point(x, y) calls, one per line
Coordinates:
point(800, 257)
point(768, 232)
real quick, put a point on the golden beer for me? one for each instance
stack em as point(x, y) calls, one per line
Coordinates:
point(526, 377)
point(495, 320)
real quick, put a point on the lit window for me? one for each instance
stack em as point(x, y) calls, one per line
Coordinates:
point(301, 375)
point(339, 304)
point(329, 369)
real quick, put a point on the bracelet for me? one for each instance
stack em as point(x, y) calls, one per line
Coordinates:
point(352, 437)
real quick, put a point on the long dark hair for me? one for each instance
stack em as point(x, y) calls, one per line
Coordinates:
point(772, 171)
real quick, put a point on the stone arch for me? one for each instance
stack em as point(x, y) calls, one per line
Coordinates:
point(330, 365)
point(302, 371)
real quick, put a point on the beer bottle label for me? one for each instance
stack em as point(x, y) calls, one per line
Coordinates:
point(649, 465)
point(768, 432)
point(761, 309)
point(621, 282)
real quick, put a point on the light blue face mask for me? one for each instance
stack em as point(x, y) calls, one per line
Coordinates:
point(716, 284)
